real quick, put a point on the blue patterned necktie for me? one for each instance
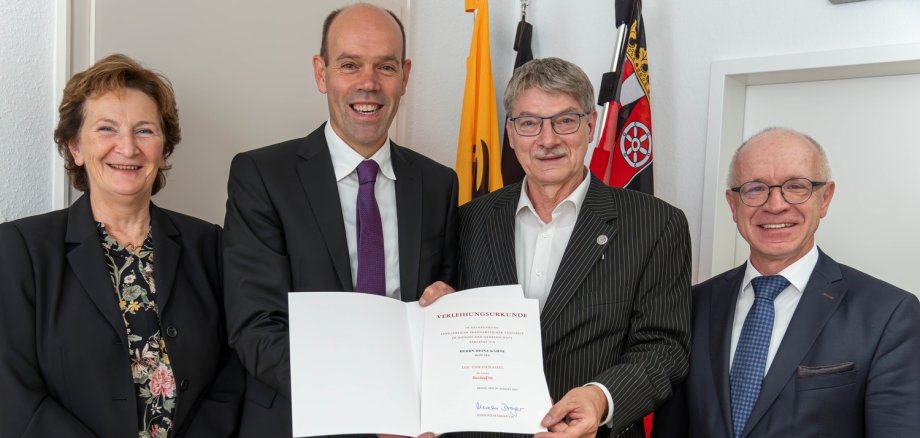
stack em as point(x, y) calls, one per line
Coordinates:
point(371, 261)
point(751, 352)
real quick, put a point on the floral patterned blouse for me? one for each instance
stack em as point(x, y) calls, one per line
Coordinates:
point(132, 277)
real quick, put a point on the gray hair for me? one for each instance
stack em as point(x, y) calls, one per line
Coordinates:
point(552, 75)
point(824, 166)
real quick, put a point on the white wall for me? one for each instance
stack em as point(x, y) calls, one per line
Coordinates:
point(236, 89)
point(684, 37)
point(440, 37)
point(872, 219)
point(26, 107)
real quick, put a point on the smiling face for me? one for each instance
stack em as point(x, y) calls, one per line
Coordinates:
point(364, 77)
point(121, 145)
point(779, 233)
point(552, 162)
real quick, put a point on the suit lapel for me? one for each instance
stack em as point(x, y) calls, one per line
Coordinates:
point(597, 218)
point(86, 259)
point(722, 313)
point(166, 253)
point(498, 232)
point(821, 297)
point(409, 207)
point(317, 178)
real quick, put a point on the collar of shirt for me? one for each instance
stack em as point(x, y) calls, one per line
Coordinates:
point(797, 273)
point(784, 305)
point(571, 203)
point(345, 160)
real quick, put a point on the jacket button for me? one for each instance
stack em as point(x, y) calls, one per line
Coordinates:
point(172, 331)
point(183, 385)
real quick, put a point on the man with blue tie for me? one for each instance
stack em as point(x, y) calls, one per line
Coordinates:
point(793, 344)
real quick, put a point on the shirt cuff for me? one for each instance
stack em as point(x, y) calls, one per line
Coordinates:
point(609, 416)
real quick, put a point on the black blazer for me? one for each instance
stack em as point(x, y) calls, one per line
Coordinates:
point(618, 312)
point(284, 232)
point(65, 370)
point(848, 366)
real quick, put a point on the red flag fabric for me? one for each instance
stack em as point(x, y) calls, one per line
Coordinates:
point(623, 155)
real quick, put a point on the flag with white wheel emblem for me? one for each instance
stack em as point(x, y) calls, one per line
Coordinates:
point(623, 155)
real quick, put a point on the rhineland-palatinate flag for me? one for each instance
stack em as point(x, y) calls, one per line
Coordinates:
point(511, 168)
point(623, 155)
point(478, 148)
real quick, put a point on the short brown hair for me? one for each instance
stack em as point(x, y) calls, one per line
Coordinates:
point(327, 23)
point(113, 73)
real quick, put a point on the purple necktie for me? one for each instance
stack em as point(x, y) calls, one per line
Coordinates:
point(371, 272)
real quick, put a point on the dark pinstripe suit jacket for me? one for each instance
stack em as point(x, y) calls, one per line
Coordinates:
point(618, 312)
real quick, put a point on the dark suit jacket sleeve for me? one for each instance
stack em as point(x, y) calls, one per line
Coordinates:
point(256, 268)
point(657, 346)
point(449, 270)
point(27, 408)
point(218, 413)
point(670, 420)
point(893, 385)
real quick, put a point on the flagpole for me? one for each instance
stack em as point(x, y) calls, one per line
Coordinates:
point(610, 81)
point(619, 156)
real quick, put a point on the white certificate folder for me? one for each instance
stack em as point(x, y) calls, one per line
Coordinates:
point(362, 363)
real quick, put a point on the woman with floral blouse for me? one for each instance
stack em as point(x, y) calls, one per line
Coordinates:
point(111, 321)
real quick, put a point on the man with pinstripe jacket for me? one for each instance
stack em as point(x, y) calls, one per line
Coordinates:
point(610, 267)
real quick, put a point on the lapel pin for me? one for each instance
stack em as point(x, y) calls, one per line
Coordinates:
point(602, 239)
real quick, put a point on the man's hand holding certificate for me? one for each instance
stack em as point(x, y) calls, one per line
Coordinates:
point(471, 361)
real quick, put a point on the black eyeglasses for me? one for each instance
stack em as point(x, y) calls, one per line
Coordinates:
point(531, 126)
point(794, 191)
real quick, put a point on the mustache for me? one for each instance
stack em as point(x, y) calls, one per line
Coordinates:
point(553, 152)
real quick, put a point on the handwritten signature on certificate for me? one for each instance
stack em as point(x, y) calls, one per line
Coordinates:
point(505, 409)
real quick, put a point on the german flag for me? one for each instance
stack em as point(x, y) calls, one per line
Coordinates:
point(478, 148)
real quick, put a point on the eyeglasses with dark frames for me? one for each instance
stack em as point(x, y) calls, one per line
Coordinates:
point(532, 126)
point(793, 191)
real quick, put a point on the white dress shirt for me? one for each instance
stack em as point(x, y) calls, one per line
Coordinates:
point(784, 305)
point(538, 249)
point(538, 246)
point(345, 161)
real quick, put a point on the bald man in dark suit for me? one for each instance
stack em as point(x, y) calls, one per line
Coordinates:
point(840, 354)
point(291, 220)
